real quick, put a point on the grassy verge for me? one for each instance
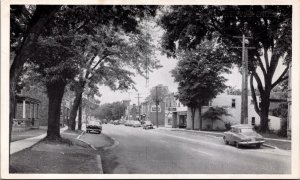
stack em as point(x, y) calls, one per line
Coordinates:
point(67, 155)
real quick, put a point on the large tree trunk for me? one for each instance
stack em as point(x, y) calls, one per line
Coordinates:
point(193, 117)
point(264, 112)
point(74, 109)
point(80, 114)
point(40, 18)
point(55, 94)
point(200, 117)
point(79, 88)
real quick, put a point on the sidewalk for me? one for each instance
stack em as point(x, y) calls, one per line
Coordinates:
point(17, 146)
point(70, 155)
point(270, 142)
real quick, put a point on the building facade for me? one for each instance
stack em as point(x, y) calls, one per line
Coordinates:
point(232, 103)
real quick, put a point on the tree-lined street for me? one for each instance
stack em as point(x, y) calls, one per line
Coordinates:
point(167, 152)
point(66, 59)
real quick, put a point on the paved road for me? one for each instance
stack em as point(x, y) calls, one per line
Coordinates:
point(168, 152)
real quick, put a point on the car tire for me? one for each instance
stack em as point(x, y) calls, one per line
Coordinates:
point(225, 141)
point(257, 145)
point(237, 145)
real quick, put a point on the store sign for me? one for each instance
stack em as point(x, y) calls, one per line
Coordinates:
point(153, 109)
point(171, 108)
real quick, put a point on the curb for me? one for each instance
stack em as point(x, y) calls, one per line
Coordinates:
point(98, 157)
point(115, 144)
point(270, 146)
point(78, 137)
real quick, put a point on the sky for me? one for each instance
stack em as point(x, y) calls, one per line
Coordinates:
point(163, 76)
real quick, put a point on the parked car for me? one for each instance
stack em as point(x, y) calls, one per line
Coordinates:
point(147, 125)
point(94, 126)
point(136, 124)
point(116, 122)
point(104, 121)
point(130, 123)
point(243, 135)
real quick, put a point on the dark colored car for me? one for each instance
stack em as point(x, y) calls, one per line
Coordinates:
point(243, 135)
point(147, 125)
point(94, 126)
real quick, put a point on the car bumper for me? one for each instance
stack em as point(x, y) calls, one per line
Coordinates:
point(251, 142)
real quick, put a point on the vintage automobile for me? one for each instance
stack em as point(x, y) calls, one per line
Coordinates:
point(136, 124)
point(243, 135)
point(116, 122)
point(94, 126)
point(147, 125)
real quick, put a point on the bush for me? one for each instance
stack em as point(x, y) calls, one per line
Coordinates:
point(283, 129)
point(227, 125)
point(257, 128)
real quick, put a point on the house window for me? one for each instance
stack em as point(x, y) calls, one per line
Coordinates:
point(233, 103)
point(253, 121)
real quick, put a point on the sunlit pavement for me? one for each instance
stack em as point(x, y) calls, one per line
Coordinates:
point(168, 152)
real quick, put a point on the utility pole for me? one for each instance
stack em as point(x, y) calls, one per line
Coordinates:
point(244, 98)
point(139, 104)
point(156, 102)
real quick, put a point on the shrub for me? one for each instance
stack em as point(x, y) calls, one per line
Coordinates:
point(283, 129)
point(227, 125)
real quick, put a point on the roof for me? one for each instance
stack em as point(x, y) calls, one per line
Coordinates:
point(20, 97)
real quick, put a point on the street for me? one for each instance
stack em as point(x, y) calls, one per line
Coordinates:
point(138, 151)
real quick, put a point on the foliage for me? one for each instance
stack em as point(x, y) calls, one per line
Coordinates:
point(110, 111)
point(280, 111)
point(198, 73)
point(283, 128)
point(215, 113)
point(158, 93)
point(270, 27)
point(233, 91)
point(227, 125)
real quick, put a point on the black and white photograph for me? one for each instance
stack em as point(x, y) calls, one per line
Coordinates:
point(150, 90)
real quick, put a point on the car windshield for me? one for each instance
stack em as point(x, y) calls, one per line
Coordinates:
point(94, 123)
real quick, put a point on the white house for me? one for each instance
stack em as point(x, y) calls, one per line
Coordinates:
point(233, 105)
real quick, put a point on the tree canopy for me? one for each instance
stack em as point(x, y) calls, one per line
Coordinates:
point(270, 29)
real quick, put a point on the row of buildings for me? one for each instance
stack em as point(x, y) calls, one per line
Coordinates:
point(173, 114)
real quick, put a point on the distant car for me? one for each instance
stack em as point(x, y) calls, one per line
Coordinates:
point(243, 135)
point(94, 126)
point(116, 122)
point(147, 125)
point(136, 124)
point(130, 122)
point(111, 121)
point(104, 121)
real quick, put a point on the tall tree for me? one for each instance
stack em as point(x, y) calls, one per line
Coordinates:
point(55, 65)
point(199, 75)
point(270, 27)
point(27, 23)
point(108, 45)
